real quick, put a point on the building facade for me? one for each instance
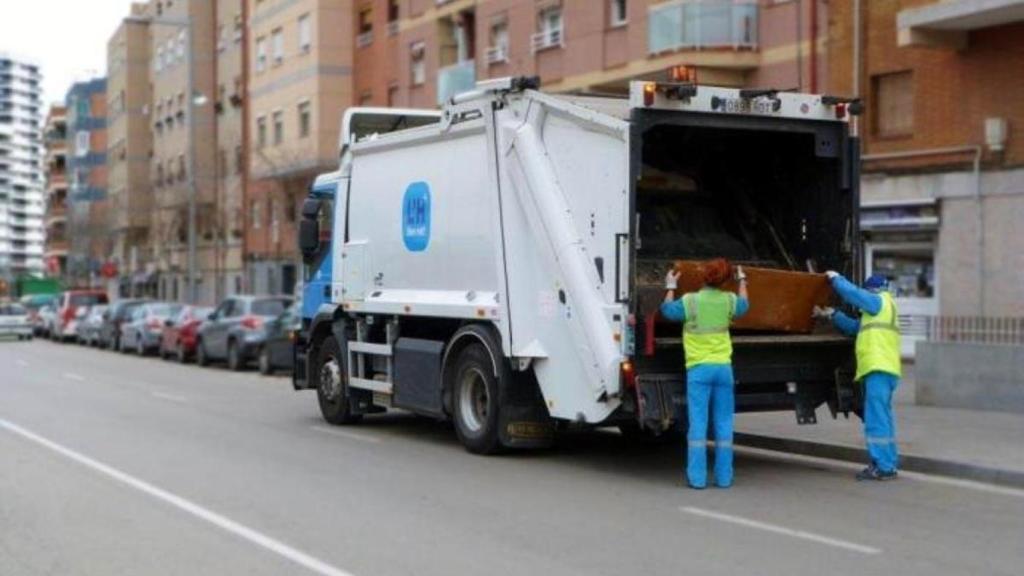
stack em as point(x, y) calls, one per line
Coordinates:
point(21, 169)
point(86, 164)
point(943, 175)
point(300, 83)
point(418, 53)
point(129, 153)
point(55, 138)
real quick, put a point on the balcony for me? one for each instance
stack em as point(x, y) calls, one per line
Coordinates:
point(452, 80)
point(497, 54)
point(701, 25)
point(946, 24)
point(546, 39)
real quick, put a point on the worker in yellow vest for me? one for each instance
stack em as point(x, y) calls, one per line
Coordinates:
point(878, 365)
point(706, 316)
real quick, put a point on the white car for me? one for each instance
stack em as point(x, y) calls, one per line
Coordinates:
point(14, 321)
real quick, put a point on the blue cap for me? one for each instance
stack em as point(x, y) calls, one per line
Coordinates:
point(876, 282)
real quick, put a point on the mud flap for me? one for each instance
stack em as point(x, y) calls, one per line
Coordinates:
point(661, 401)
point(523, 421)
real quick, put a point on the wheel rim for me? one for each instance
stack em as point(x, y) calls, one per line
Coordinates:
point(330, 379)
point(473, 399)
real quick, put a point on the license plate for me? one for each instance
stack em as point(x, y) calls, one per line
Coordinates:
point(741, 106)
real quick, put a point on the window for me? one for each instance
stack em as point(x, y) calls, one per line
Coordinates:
point(277, 45)
point(418, 63)
point(158, 60)
point(254, 216)
point(549, 29)
point(305, 34)
point(304, 119)
point(619, 16)
point(261, 132)
point(393, 12)
point(365, 23)
point(82, 143)
point(498, 51)
point(181, 44)
point(261, 54)
point(894, 104)
point(392, 96)
point(278, 127)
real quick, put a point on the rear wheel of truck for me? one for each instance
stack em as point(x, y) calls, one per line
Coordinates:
point(332, 391)
point(476, 396)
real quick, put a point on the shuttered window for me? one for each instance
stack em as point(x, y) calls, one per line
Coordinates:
point(894, 104)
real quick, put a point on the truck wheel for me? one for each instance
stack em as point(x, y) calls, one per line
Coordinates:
point(202, 359)
point(235, 362)
point(476, 401)
point(332, 391)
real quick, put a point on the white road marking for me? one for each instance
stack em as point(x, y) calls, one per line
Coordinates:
point(170, 397)
point(21, 363)
point(254, 537)
point(73, 376)
point(776, 529)
point(347, 434)
point(904, 475)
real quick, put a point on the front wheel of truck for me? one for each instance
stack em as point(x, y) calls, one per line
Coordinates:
point(476, 396)
point(332, 391)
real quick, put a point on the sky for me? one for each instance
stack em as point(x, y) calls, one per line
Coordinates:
point(68, 38)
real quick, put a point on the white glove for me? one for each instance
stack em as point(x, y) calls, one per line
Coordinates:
point(671, 280)
point(741, 276)
point(825, 312)
point(832, 274)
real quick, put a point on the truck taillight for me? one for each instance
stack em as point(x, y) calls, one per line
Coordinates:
point(841, 110)
point(650, 90)
point(628, 374)
point(252, 322)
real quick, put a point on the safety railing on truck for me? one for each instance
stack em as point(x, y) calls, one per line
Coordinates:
point(977, 330)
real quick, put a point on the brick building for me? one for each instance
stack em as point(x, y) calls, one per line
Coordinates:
point(944, 88)
point(55, 136)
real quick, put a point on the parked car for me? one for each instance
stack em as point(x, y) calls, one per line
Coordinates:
point(89, 327)
point(45, 319)
point(234, 332)
point(67, 311)
point(14, 321)
point(143, 331)
point(34, 303)
point(116, 314)
point(179, 334)
point(277, 350)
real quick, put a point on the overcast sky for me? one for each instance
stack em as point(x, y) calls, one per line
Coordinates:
point(68, 38)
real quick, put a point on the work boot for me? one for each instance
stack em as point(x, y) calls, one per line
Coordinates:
point(873, 473)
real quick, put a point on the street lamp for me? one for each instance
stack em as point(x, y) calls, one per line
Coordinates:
point(195, 100)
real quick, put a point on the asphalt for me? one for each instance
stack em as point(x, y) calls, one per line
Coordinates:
point(111, 464)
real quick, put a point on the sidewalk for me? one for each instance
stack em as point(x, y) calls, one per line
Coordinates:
point(983, 446)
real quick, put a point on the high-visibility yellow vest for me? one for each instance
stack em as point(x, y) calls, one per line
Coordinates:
point(706, 330)
point(878, 341)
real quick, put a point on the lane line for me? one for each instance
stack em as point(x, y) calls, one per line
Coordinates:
point(252, 536)
point(73, 376)
point(347, 434)
point(915, 476)
point(170, 397)
point(776, 529)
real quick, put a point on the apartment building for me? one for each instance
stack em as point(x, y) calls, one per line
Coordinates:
point(55, 139)
point(184, 164)
point(129, 151)
point(943, 176)
point(300, 83)
point(21, 168)
point(86, 162)
point(418, 53)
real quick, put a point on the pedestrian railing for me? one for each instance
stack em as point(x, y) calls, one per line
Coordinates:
point(977, 330)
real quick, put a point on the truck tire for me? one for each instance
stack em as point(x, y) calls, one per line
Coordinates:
point(332, 390)
point(475, 402)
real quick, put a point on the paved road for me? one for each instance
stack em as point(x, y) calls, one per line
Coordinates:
point(112, 464)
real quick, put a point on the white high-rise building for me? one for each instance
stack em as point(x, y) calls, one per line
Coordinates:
point(21, 168)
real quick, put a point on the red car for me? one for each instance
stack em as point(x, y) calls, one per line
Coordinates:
point(65, 324)
point(179, 334)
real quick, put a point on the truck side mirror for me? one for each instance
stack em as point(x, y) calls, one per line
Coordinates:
point(309, 229)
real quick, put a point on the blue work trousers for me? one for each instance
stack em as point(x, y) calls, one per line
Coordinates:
point(709, 384)
point(879, 424)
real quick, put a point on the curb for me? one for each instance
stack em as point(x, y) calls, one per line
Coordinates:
point(925, 465)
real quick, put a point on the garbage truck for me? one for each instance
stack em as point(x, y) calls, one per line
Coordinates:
point(498, 265)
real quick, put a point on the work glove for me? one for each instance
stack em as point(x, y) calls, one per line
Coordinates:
point(832, 275)
point(825, 312)
point(740, 274)
point(672, 280)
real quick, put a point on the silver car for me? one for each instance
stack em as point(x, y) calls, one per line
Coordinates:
point(88, 329)
point(142, 332)
point(14, 321)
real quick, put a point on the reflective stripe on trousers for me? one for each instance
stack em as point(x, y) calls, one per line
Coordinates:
point(709, 386)
point(879, 423)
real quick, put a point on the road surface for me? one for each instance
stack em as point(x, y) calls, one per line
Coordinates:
point(113, 464)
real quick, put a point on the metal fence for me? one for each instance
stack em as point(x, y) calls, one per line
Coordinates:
point(976, 330)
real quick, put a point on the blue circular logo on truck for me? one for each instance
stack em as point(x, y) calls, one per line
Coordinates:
point(416, 217)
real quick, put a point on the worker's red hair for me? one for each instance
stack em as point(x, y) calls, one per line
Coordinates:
point(716, 272)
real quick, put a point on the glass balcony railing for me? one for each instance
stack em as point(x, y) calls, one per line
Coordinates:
point(702, 24)
point(454, 79)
